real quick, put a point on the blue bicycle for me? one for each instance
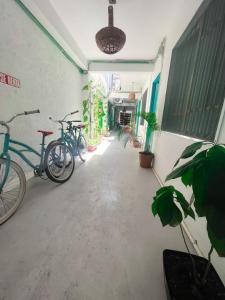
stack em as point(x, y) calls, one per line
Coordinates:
point(72, 136)
point(56, 160)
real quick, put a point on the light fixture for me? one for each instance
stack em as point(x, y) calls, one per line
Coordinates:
point(110, 39)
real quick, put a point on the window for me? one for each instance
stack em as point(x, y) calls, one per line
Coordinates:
point(196, 84)
point(125, 118)
point(143, 106)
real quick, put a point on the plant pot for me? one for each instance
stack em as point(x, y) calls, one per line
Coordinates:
point(179, 279)
point(92, 148)
point(146, 159)
point(127, 129)
point(136, 144)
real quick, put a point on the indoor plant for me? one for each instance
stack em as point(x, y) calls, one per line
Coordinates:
point(146, 157)
point(189, 276)
point(93, 114)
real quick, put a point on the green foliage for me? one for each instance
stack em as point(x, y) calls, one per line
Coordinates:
point(93, 110)
point(150, 118)
point(86, 115)
point(166, 205)
point(94, 142)
point(205, 174)
point(190, 151)
point(88, 86)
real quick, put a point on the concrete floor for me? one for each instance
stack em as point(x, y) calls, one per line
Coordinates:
point(93, 238)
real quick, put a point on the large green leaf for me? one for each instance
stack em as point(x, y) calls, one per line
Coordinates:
point(185, 205)
point(218, 244)
point(217, 150)
point(187, 177)
point(178, 172)
point(208, 181)
point(190, 151)
point(216, 221)
point(165, 207)
point(150, 118)
point(177, 217)
point(199, 182)
point(165, 189)
point(154, 207)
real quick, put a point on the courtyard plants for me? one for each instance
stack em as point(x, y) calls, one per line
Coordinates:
point(146, 157)
point(189, 276)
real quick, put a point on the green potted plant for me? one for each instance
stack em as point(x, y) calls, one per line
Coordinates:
point(92, 145)
point(189, 276)
point(146, 157)
point(93, 114)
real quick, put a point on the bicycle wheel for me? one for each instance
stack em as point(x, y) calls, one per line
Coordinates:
point(59, 162)
point(82, 148)
point(13, 190)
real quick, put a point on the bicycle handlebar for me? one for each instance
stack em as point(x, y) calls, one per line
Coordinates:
point(63, 121)
point(74, 121)
point(36, 111)
point(23, 114)
point(74, 112)
point(71, 113)
point(3, 123)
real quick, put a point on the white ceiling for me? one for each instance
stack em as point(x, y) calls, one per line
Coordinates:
point(145, 23)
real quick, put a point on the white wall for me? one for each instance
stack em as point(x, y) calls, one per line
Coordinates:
point(48, 80)
point(46, 14)
point(167, 147)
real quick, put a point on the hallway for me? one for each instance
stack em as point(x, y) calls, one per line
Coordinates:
point(93, 238)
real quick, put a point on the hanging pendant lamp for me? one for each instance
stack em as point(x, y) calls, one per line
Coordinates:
point(110, 39)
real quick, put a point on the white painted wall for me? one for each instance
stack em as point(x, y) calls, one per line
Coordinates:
point(46, 14)
point(167, 147)
point(48, 80)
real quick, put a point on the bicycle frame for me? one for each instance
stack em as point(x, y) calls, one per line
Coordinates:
point(25, 148)
point(71, 138)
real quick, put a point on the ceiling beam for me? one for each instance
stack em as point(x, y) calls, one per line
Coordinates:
point(121, 65)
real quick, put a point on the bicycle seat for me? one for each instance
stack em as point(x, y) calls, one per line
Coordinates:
point(80, 126)
point(45, 133)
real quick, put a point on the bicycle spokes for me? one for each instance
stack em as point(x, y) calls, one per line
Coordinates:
point(59, 162)
point(13, 190)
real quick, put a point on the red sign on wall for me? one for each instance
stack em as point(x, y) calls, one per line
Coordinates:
point(7, 79)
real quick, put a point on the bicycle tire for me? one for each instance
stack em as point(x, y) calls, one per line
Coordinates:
point(5, 194)
point(64, 169)
point(84, 143)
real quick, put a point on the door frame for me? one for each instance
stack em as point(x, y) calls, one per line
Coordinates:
point(152, 108)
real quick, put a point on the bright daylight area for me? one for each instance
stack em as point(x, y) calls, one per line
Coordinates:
point(112, 150)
